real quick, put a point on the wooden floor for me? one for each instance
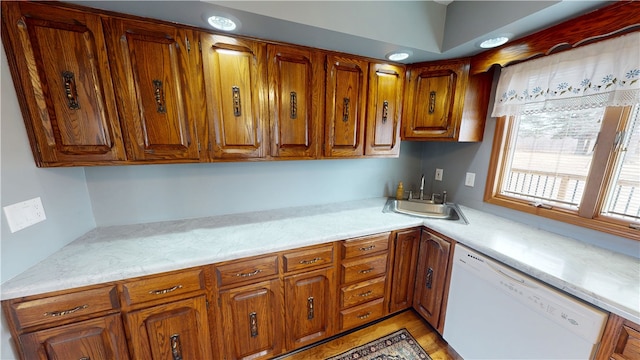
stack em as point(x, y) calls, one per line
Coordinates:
point(428, 338)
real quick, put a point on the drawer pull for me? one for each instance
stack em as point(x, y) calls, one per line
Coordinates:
point(365, 294)
point(310, 308)
point(85, 358)
point(165, 291)
point(176, 348)
point(253, 273)
point(253, 324)
point(366, 271)
point(370, 247)
point(309, 262)
point(66, 312)
point(364, 316)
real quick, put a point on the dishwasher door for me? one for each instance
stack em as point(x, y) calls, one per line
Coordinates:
point(495, 312)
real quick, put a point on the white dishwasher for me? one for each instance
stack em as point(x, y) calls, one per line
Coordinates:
point(495, 312)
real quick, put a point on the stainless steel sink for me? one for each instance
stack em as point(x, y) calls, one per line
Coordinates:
point(425, 209)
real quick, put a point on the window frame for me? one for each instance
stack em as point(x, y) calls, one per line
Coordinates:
point(588, 214)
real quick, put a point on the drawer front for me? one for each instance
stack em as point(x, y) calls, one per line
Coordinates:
point(362, 292)
point(154, 288)
point(365, 268)
point(365, 245)
point(63, 307)
point(361, 314)
point(309, 258)
point(245, 270)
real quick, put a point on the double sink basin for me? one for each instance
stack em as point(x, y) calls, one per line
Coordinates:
point(425, 209)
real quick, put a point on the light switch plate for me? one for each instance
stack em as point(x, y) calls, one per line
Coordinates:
point(470, 180)
point(24, 214)
point(439, 173)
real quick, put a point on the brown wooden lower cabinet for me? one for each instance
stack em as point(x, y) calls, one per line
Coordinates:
point(620, 341)
point(403, 277)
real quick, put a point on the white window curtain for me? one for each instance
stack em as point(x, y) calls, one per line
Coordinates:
point(605, 73)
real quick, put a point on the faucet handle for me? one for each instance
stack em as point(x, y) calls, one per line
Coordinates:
point(444, 196)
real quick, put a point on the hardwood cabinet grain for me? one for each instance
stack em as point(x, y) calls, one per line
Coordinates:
point(296, 101)
point(620, 341)
point(157, 78)
point(235, 80)
point(60, 68)
point(406, 244)
point(384, 109)
point(431, 278)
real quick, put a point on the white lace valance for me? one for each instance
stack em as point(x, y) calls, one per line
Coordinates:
point(606, 73)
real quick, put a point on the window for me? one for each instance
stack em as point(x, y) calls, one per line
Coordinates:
point(567, 143)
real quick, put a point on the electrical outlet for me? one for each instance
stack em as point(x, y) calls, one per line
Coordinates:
point(470, 180)
point(439, 173)
point(24, 214)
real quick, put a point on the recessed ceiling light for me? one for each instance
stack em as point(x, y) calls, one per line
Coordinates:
point(398, 56)
point(222, 23)
point(494, 42)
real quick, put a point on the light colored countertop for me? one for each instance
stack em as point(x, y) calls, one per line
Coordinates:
point(603, 278)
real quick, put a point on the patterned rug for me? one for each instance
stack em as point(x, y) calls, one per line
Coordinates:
point(399, 345)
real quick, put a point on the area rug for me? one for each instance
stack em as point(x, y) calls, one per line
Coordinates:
point(399, 345)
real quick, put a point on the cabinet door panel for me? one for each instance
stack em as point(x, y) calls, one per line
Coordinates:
point(404, 269)
point(251, 320)
point(174, 330)
point(235, 71)
point(309, 307)
point(346, 105)
point(96, 339)
point(153, 72)
point(386, 83)
point(431, 277)
point(295, 101)
point(63, 69)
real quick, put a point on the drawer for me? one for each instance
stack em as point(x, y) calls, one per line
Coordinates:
point(159, 287)
point(362, 292)
point(308, 258)
point(365, 268)
point(365, 245)
point(64, 307)
point(245, 270)
point(361, 314)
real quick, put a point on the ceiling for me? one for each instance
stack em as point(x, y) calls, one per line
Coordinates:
point(430, 30)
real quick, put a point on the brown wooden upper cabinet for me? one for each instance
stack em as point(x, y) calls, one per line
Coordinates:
point(346, 99)
point(62, 76)
point(384, 108)
point(296, 93)
point(442, 102)
point(158, 97)
point(235, 81)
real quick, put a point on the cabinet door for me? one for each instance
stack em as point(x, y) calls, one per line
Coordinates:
point(434, 100)
point(60, 68)
point(620, 341)
point(296, 93)
point(384, 110)
point(251, 320)
point(154, 72)
point(177, 330)
point(431, 277)
point(404, 269)
point(346, 95)
point(234, 75)
point(309, 307)
point(96, 339)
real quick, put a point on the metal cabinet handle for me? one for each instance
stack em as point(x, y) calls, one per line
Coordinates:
point(66, 312)
point(255, 272)
point(429, 278)
point(253, 324)
point(370, 247)
point(312, 261)
point(345, 109)
point(432, 102)
point(364, 316)
point(165, 291)
point(385, 111)
point(70, 90)
point(365, 294)
point(85, 358)
point(237, 106)
point(158, 93)
point(310, 308)
point(293, 105)
point(366, 271)
point(176, 348)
